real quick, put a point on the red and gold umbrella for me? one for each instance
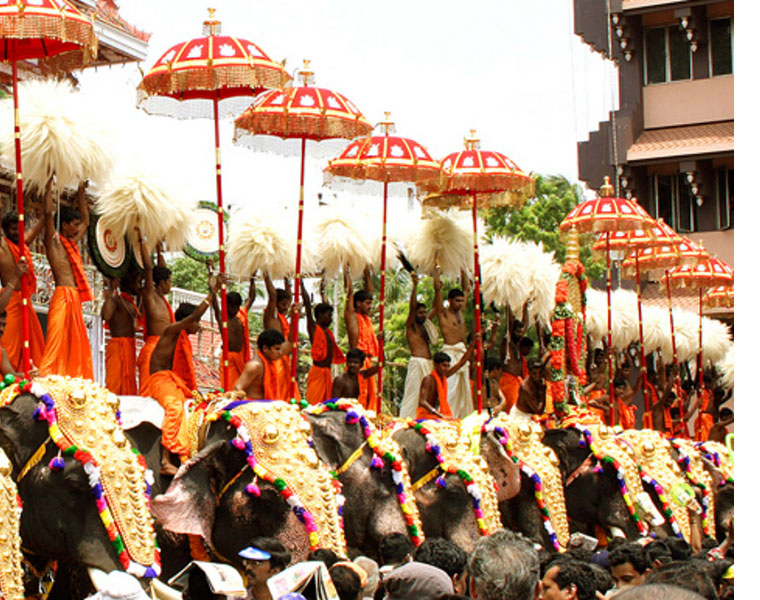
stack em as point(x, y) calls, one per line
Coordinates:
point(721, 296)
point(630, 241)
point(62, 39)
point(386, 159)
point(299, 114)
point(202, 78)
point(707, 273)
point(491, 178)
point(608, 214)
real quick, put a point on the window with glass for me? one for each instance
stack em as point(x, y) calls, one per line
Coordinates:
point(721, 47)
point(672, 202)
point(667, 55)
point(724, 195)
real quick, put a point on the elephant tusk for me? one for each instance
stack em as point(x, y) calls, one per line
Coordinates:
point(161, 591)
point(617, 532)
point(98, 577)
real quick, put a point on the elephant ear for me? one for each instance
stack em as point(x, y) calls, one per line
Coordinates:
point(20, 436)
point(505, 472)
point(329, 433)
point(189, 504)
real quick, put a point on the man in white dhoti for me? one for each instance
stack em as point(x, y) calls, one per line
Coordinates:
point(451, 322)
point(420, 333)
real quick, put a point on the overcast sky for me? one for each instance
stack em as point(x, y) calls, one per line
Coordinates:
point(512, 70)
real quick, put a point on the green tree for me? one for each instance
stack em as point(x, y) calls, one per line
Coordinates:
point(539, 219)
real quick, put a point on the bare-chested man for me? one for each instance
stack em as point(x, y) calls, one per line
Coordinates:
point(167, 387)
point(12, 284)
point(454, 332)
point(434, 389)
point(324, 351)
point(515, 363)
point(67, 351)
point(10, 255)
point(238, 333)
point(532, 398)
point(354, 383)
point(266, 375)
point(420, 334)
point(361, 332)
point(158, 312)
point(121, 312)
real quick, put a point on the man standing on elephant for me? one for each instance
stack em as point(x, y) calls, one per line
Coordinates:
point(121, 313)
point(10, 255)
point(361, 332)
point(324, 351)
point(67, 351)
point(453, 330)
point(420, 333)
point(167, 387)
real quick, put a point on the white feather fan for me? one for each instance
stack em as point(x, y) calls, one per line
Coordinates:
point(60, 134)
point(143, 200)
point(544, 273)
point(656, 329)
point(260, 242)
point(625, 318)
point(596, 315)
point(339, 239)
point(687, 334)
point(716, 340)
point(506, 281)
point(726, 369)
point(443, 237)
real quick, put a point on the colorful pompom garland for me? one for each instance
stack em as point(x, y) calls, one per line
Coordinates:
point(432, 446)
point(588, 439)
point(47, 412)
point(503, 437)
point(663, 497)
point(243, 442)
point(380, 454)
point(685, 462)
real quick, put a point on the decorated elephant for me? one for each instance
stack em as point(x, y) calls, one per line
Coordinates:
point(84, 492)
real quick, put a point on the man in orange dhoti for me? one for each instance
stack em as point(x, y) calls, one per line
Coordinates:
point(67, 351)
point(167, 387)
point(6, 367)
point(434, 389)
point(158, 312)
point(361, 333)
point(10, 257)
point(324, 351)
point(238, 341)
point(120, 312)
point(515, 369)
point(354, 383)
point(266, 377)
point(279, 303)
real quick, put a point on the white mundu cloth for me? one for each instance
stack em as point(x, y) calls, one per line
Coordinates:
point(417, 369)
point(460, 395)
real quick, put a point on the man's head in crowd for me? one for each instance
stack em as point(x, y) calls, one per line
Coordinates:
point(347, 582)
point(325, 555)
point(568, 579)
point(504, 566)
point(659, 553)
point(448, 557)
point(395, 548)
point(354, 361)
point(690, 574)
point(629, 564)
point(658, 592)
point(258, 571)
point(373, 575)
point(270, 343)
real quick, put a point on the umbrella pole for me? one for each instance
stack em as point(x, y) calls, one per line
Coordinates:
point(381, 344)
point(610, 381)
point(478, 325)
point(21, 234)
point(647, 421)
point(220, 213)
point(700, 367)
point(675, 350)
point(297, 291)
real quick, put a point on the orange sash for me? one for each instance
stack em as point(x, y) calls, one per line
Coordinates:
point(667, 421)
point(285, 325)
point(510, 386)
point(31, 277)
point(602, 414)
point(68, 348)
point(442, 391)
point(367, 339)
point(702, 426)
point(182, 364)
point(13, 337)
point(647, 421)
point(319, 347)
point(319, 385)
point(276, 379)
point(627, 415)
point(143, 361)
point(75, 260)
point(235, 368)
point(171, 392)
point(121, 366)
point(243, 318)
point(525, 370)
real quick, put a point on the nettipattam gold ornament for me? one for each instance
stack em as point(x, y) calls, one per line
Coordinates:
point(652, 451)
point(697, 474)
point(11, 573)
point(525, 443)
point(725, 460)
point(279, 436)
point(86, 417)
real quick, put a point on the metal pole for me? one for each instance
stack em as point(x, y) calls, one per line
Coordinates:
point(220, 214)
point(610, 377)
point(381, 358)
point(478, 325)
point(297, 291)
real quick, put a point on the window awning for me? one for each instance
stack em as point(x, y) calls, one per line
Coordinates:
point(689, 140)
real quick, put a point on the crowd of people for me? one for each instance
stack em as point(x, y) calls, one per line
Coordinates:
point(503, 566)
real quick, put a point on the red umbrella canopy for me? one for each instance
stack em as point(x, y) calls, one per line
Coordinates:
point(606, 213)
point(302, 112)
point(682, 252)
point(385, 158)
point(215, 66)
point(476, 171)
point(704, 274)
point(39, 29)
point(722, 295)
point(659, 235)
